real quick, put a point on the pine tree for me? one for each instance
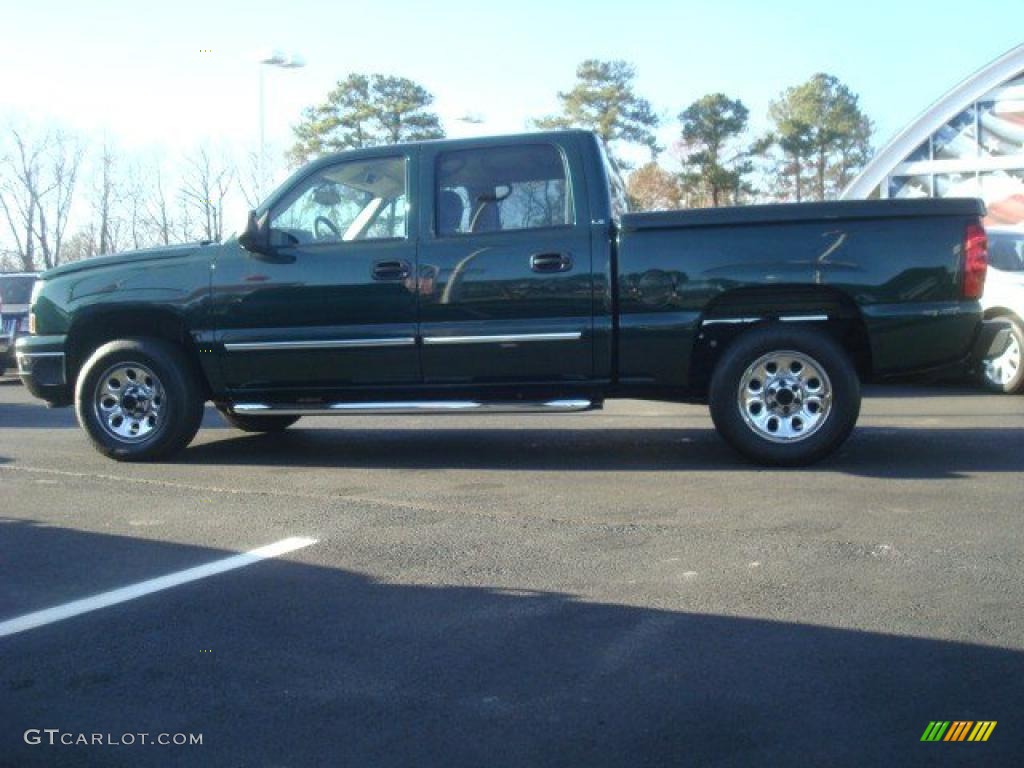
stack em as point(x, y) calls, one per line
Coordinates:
point(714, 163)
point(365, 111)
point(605, 101)
point(823, 136)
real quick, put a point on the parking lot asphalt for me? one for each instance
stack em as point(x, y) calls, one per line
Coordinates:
point(610, 588)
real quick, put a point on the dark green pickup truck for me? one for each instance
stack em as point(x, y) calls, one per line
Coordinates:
point(504, 274)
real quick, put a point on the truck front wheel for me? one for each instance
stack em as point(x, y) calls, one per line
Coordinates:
point(784, 395)
point(139, 399)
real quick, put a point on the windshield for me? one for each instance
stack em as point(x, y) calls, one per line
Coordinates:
point(1006, 251)
point(16, 290)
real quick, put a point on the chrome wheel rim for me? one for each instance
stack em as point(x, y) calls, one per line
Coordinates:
point(1002, 369)
point(129, 402)
point(785, 396)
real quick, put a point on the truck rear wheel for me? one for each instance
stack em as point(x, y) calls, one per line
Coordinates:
point(785, 396)
point(248, 423)
point(139, 399)
point(1005, 371)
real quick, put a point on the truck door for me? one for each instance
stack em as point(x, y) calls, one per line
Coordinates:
point(506, 288)
point(334, 306)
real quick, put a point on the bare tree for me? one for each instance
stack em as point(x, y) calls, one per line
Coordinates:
point(105, 201)
point(184, 227)
point(249, 179)
point(158, 208)
point(10, 261)
point(19, 193)
point(205, 188)
point(64, 160)
point(135, 199)
point(130, 201)
point(81, 244)
point(38, 177)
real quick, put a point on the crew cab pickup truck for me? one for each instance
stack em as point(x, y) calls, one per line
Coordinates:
point(503, 274)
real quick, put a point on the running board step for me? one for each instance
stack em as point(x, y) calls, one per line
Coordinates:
point(414, 407)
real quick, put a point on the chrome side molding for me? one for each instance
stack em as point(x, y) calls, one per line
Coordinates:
point(508, 338)
point(781, 318)
point(414, 407)
point(731, 320)
point(401, 341)
point(272, 346)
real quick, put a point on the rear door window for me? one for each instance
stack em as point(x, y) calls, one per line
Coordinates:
point(501, 189)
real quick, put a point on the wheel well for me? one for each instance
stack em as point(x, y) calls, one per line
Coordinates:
point(993, 312)
point(89, 333)
point(762, 305)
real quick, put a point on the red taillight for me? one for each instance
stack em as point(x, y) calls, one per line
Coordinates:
point(975, 261)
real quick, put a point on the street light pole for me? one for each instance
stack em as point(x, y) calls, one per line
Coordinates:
point(274, 58)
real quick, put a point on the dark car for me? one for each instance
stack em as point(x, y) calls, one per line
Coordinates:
point(15, 298)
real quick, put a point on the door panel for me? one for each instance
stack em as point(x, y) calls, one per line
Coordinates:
point(506, 290)
point(335, 305)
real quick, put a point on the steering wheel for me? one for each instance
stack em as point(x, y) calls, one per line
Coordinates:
point(325, 222)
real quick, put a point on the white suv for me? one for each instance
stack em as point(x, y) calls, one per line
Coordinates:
point(1004, 298)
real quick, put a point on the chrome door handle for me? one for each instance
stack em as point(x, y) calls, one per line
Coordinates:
point(551, 262)
point(391, 270)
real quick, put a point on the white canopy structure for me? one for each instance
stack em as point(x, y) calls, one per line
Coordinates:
point(970, 143)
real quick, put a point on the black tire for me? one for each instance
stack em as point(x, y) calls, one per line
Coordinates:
point(1015, 383)
point(837, 417)
point(248, 423)
point(179, 406)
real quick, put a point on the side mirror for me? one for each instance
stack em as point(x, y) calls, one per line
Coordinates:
point(256, 235)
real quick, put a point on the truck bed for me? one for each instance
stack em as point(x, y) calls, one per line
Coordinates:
point(889, 268)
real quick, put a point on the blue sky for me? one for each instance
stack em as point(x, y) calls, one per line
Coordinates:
point(142, 77)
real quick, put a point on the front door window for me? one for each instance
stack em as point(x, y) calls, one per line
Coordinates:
point(351, 201)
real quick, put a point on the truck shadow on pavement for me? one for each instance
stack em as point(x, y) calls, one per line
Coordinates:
point(917, 390)
point(871, 451)
point(35, 415)
point(285, 663)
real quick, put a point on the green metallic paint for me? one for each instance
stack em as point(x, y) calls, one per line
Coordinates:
point(483, 285)
point(637, 293)
point(898, 272)
point(320, 293)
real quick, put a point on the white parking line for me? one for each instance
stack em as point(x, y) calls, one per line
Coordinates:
point(124, 594)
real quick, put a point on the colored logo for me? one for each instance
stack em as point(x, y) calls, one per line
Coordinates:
point(958, 730)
